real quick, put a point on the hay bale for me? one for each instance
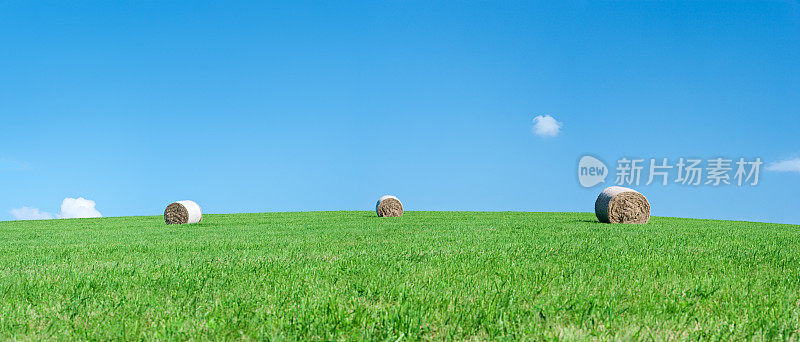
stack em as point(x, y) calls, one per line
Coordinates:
point(389, 206)
point(618, 204)
point(183, 212)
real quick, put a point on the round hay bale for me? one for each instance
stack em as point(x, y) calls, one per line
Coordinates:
point(618, 204)
point(389, 206)
point(183, 212)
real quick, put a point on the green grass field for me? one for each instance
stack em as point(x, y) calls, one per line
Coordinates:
point(427, 275)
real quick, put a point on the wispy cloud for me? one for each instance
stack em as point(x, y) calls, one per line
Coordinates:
point(70, 208)
point(546, 126)
point(28, 213)
point(8, 164)
point(788, 165)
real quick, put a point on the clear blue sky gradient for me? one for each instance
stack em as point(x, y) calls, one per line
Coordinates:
point(296, 106)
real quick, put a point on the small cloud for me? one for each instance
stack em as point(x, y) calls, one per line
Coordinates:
point(28, 213)
point(70, 208)
point(789, 165)
point(78, 208)
point(546, 126)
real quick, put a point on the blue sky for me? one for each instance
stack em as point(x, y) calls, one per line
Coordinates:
point(295, 106)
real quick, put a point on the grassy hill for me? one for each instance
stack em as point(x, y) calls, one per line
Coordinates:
point(427, 275)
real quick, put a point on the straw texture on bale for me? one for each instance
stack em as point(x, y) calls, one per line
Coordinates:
point(183, 212)
point(618, 204)
point(389, 206)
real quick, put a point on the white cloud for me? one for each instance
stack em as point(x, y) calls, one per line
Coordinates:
point(28, 213)
point(70, 208)
point(789, 165)
point(546, 126)
point(78, 208)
